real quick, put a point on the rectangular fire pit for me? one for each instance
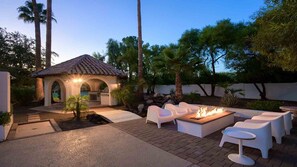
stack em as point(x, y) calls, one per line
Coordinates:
point(202, 127)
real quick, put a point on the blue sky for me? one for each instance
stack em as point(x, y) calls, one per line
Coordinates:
point(84, 26)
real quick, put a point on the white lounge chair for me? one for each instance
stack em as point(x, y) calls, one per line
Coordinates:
point(263, 140)
point(287, 116)
point(159, 115)
point(277, 125)
point(192, 108)
point(177, 111)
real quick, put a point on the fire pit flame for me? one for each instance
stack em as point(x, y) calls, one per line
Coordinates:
point(204, 112)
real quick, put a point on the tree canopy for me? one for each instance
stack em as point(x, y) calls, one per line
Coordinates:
point(276, 37)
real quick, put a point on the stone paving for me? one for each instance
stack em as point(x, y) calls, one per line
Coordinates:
point(103, 146)
point(206, 151)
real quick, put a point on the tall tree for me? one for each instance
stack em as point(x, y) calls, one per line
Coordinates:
point(140, 56)
point(216, 41)
point(17, 55)
point(48, 51)
point(123, 55)
point(113, 53)
point(152, 66)
point(277, 36)
point(190, 39)
point(252, 66)
point(34, 12)
point(128, 58)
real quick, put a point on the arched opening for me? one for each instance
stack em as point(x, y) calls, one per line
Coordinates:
point(85, 89)
point(97, 90)
point(57, 92)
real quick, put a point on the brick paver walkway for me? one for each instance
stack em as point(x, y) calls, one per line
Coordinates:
point(206, 151)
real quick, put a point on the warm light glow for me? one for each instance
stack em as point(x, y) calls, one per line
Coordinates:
point(204, 112)
point(77, 80)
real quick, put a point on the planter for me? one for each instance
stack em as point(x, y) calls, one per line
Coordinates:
point(2, 133)
point(4, 130)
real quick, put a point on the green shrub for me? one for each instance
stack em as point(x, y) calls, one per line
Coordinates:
point(191, 98)
point(22, 95)
point(264, 105)
point(4, 118)
point(76, 104)
point(229, 100)
point(172, 91)
point(124, 95)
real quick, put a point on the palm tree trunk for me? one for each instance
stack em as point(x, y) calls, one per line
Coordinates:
point(140, 64)
point(39, 94)
point(178, 86)
point(48, 51)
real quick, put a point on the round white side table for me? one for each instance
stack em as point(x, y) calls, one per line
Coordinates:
point(240, 135)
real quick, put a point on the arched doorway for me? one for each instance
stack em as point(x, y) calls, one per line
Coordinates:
point(57, 92)
point(97, 90)
point(85, 89)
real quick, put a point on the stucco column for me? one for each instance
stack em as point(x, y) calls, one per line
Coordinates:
point(112, 100)
point(47, 92)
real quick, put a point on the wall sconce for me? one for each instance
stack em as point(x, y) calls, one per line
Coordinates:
point(77, 80)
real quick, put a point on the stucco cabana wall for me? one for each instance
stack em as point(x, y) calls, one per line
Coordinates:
point(71, 85)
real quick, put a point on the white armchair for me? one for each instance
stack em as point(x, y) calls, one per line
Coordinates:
point(263, 140)
point(191, 107)
point(177, 111)
point(277, 125)
point(287, 116)
point(159, 115)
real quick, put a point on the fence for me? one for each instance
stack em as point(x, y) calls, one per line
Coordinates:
point(274, 91)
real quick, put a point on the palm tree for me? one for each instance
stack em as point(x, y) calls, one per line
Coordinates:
point(48, 51)
point(34, 12)
point(178, 59)
point(140, 63)
point(98, 56)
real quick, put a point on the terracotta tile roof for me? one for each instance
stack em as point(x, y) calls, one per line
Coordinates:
point(84, 64)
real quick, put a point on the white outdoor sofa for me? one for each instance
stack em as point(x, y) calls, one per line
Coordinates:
point(177, 111)
point(263, 140)
point(159, 115)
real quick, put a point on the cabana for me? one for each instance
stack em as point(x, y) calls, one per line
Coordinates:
point(82, 75)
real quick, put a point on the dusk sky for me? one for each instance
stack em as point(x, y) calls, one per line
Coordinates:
point(84, 26)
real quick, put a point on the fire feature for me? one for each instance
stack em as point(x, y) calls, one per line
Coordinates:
point(208, 121)
point(207, 111)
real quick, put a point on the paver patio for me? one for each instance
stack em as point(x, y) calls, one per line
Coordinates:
point(206, 151)
point(132, 143)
